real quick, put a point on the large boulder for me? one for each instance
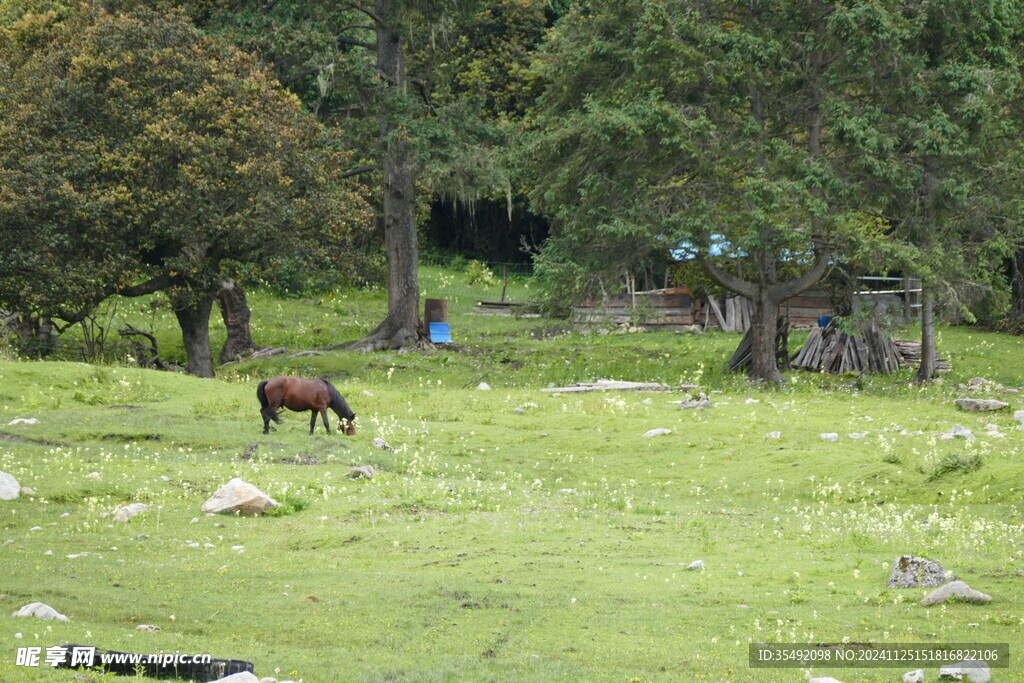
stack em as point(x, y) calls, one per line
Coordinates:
point(917, 572)
point(239, 497)
point(979, 404)
point(9, 487)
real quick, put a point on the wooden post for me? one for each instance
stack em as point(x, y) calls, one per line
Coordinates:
point(504, 285)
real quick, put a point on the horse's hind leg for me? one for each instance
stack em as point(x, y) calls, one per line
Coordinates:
point(323, 413)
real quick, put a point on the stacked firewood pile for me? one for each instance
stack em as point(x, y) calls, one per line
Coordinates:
point(828, 349)
point(910, 351)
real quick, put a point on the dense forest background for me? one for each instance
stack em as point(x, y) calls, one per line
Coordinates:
point(194, 149)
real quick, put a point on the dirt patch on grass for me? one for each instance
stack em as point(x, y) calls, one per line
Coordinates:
point(5, 436)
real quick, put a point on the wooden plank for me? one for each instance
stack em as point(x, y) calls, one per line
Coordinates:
point(718, 313)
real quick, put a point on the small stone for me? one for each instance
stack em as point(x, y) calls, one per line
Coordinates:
point(917, 572)
point(660, 431)
point(959, 431)
point(699, 402)
point(242, 677)
point(268, 679)
point(823, 679)
point(957, 590)
point(695, 565)
point(773, 435)
point(483, 386)
point(9, 487)
point(195, 520)
point(48, 553)
point(40, 611)
point(93, 475)
point(125, 513)
point(366, 471)
point(914, 676)
point(980, 404)
point(148, 627)
point(382, 444)
point(856, 435)
point(829, 436)
point(26, 491)
point(967, 670)
point(368, 393)
point(23, 421)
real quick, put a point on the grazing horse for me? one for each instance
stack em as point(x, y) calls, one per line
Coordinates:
point(295, 393)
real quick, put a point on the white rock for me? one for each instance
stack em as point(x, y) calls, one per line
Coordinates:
point(9, 487)
point(26, 491)
point(243, 677)
point(366, 471)
point(40, 611)
point(914, 676)
point(125, 513)
point(856, 435)
point(1019, 416)
point(382, 444)
point(824, 679)
point(967, 670)
point(241, 497)
point(268, 679)
point(147, 627)
point(695, 565)
point(660, 431)
point(956, 590)
point(959, 431)
point(829, 436)
point(773, 435)
point(368, 393)
point(93, 475)
point(483, 386)
point(23, 421)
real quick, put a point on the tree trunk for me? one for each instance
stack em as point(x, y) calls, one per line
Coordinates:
point(234, 309)
point(764, 328)
point(399, 327)
point(926, 371)
point(194, 319)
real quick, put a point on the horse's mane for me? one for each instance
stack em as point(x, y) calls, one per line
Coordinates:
point(338, 403)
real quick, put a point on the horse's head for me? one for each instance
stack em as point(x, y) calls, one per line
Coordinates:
point(350, 428)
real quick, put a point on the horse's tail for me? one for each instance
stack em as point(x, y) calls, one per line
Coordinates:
point(338, 403)
point(261, 394)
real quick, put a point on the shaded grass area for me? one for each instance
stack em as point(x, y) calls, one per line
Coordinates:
point(546, 545)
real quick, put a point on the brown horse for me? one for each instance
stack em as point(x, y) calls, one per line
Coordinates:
point(295, 393)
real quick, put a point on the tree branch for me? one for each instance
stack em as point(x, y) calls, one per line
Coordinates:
point(358, 43)
point(730, 282)
point(358, 170)
point(807, 279)
point(151, 286)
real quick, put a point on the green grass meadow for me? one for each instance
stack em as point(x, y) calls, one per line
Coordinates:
point(549, 544)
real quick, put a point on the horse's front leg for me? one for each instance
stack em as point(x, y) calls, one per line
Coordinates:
point(266, 424)
point(312, 421)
